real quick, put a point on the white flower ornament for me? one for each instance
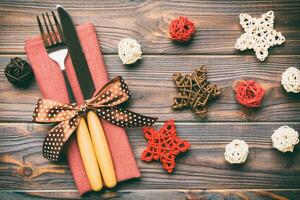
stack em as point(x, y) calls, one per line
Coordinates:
point(129, 51)
point(259, 34)
point(285, 138)
point(236, 152)
point(290, 80)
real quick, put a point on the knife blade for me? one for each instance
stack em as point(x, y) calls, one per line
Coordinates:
point(77, 56)
point(87, 87)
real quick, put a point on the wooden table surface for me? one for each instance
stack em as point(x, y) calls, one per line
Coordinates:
point(202, 173)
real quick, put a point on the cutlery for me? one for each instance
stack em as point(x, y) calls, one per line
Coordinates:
point(87, 87)
point(55, 44)
point(56, 47)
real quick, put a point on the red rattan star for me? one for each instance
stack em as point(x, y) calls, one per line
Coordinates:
point(164, 145)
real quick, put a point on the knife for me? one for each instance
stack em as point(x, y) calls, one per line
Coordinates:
point(84, 78)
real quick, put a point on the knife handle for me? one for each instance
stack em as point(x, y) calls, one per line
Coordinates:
point(102, 150)
point(88, 156)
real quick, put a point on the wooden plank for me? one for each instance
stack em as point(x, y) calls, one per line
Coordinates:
point(25, 174)
point(157, 194)
point(22, 166)
point(217, 23)
point(153, 90)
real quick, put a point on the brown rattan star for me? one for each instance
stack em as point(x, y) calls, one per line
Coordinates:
point(194, 91)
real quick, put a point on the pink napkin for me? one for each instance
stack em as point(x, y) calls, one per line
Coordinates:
point(52, 86)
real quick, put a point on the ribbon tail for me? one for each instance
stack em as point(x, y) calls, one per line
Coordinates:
point(124, 118)
point(57, 137)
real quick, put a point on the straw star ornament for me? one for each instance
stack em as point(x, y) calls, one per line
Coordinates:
point(259, 34)
point(164, 145)
point(194, 91)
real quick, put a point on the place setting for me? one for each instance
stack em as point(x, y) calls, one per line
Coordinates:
point(88, 112)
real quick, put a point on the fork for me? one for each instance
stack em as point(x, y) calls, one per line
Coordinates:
point(56, 47)
point(57, 50)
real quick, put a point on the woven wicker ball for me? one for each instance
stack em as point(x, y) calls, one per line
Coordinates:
point(129, 51)
point(181, 29)
point(236, 152)
point(291, 80)
point(18, 72)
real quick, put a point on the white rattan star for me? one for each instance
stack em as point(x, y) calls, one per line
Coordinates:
point(259, 34)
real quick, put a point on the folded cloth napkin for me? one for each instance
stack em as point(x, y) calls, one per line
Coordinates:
point(52, 86)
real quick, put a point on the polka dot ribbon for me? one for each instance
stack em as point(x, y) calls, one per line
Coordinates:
point(105, 103)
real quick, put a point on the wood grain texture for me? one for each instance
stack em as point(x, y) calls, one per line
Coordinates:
point(22, 165)
point(158, 194)
point(147, 21)
point(202, 173)
point(152, 88)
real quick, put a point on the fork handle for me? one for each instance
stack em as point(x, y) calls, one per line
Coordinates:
point(68, 85)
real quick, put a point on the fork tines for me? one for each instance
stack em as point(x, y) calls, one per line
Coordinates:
point(52, 36)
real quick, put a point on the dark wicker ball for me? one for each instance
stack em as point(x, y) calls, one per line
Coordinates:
point(18, 72)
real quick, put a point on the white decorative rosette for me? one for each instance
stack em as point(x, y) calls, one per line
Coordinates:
point(236, 152)
point(129, 51)
point(285, 138)
point(290, 80)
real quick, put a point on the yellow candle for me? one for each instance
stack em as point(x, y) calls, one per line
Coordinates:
point(88, 156)
point(102, 150)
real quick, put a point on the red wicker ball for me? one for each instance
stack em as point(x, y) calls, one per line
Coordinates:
point(249, 93)
point(181, 29)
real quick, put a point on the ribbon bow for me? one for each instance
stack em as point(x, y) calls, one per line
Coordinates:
point(104, 103)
